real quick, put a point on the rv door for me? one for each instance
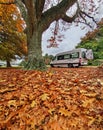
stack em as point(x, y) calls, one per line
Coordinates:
point(89, 54)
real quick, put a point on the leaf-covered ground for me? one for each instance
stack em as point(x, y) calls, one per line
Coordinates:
point(58, 99)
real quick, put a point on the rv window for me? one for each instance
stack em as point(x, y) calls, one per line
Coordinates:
point(60, 57)
point(75, 55)
point(67, 56)
point(83, 55)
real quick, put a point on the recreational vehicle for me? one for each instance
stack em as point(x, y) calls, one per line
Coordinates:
point(74, 58)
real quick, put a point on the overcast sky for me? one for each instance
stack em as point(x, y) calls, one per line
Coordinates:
point(71, 37)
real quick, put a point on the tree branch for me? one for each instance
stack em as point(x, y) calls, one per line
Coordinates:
point(83, 15)
point(71, 19)
point(85, 23)
point(60, 9)
point(82, 12)
point(56, 12)
point(39, 8)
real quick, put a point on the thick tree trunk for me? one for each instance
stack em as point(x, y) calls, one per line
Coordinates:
point(35, 59)
point(34, 37)
point(8, 64)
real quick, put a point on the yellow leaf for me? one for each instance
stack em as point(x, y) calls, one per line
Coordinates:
point(11, 85)
point(12, 103)
point(65, 112)
point(50, 81)
point(2, 80)
point(50, 74)
point(22, 102)
point(33, 104)
point(88, 102)
point(90, 94)
point(91, 121)
point(44, 96)
point(83, 91)
point(51, 110)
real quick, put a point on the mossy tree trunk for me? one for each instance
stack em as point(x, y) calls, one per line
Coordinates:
point(34, 38)
point(35, 59)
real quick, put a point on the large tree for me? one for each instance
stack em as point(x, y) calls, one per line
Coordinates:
point(12, 38)
point(39, 14)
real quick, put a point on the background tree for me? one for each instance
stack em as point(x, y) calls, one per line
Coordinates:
point(12, 38)
point(39, 14)
point(94, 40)
point(48, 58)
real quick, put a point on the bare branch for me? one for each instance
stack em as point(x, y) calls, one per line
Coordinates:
point(82, 12)
point(85, 23)
point(83, 15)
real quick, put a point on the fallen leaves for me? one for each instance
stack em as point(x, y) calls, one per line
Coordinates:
point(44, 97)
point(65, 112)
point(57, 99)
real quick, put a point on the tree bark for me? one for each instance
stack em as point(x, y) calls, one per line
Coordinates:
point(8, 63)
point(34, 37)
point(35, 59)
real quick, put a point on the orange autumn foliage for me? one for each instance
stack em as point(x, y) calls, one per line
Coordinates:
point(11, 30)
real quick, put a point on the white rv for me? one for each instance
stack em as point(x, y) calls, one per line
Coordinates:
point(74, 58)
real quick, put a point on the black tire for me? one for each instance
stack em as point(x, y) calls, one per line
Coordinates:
point(70, 65)
point(78, 66)
point(51, 65)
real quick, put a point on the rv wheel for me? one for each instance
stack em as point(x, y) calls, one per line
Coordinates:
point(51, 65)
point(77, 66)
point(70, 65)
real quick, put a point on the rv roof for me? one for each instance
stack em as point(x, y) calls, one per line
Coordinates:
point(74, 50)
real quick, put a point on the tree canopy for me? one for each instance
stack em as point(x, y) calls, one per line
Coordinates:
point(94, 40)
point(12, 38)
